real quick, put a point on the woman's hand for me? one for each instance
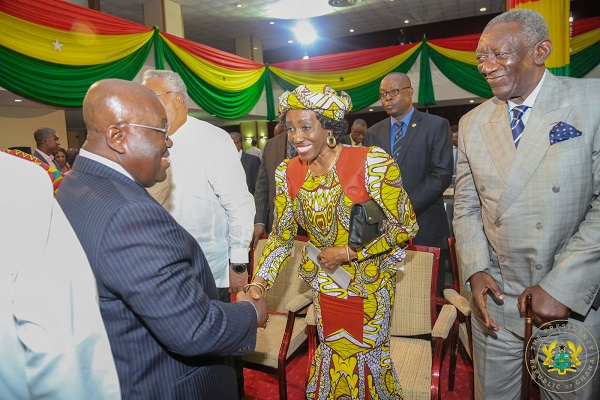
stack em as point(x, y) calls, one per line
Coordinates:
point(332, 257)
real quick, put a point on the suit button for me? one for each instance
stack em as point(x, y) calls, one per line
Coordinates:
point(497, 223)
point(482, 188)
point(538, 267)
point(539, 226)
point(587, 300)
point(501, 259)
point(556, 189)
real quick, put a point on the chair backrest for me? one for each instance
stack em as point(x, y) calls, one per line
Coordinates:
point(287, 285)
point(459, 283)
point(414, 312)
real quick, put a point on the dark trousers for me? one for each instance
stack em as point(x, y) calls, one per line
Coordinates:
point(225, 297)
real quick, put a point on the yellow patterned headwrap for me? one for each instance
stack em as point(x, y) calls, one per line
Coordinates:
point(321, 99)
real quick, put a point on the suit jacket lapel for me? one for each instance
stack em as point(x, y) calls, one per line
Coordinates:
point(535, 142)
point(498, 139)
point(412, 131)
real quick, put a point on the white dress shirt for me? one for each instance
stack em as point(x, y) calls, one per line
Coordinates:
point(208, 195)
point(53, 343)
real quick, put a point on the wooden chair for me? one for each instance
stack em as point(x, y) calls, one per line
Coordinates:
point(417, 331)
point(286, 330)
point(460, 298)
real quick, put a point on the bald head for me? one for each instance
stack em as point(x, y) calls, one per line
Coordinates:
point(396, 93)
point(126, 123)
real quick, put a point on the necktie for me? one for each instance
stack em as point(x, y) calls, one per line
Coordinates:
point(398, 135)
point(517, 124)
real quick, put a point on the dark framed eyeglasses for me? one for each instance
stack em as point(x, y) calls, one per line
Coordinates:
point(392, 93)
point(164, 130)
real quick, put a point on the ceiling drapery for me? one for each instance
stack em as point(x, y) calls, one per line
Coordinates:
point(51, 51)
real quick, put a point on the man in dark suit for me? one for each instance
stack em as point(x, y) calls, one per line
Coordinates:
point(48, 144)
point(357, 133)
point(250, 163)
point(421, 146)
point(169, 334)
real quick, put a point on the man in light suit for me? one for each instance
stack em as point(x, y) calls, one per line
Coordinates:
point(527, 213)
point(169, 334)
point(423, 152)
point(48, 144)
point(52, 339)
point(250, 163)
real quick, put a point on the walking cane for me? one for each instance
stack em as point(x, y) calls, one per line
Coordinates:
point(526, 389)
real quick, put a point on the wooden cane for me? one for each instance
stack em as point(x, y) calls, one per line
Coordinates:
point(526, 389)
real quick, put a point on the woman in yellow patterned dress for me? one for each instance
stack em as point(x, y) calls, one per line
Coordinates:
point(316, 191)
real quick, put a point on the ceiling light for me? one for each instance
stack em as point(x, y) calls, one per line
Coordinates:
point(239, 6)
point(305, 56)
point(255, 48)
point(290, 41)
point(471, 101)
point(370, 109)
point(482, 9)
point(351, 30)
point(406, 21)
point(18, 100)
point(570, 19)
point(305, 33)
point(294, 9)
point(271, 23)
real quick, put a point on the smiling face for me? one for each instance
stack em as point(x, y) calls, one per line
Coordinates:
point(400, 105)
point(511, 68)
point(60, 158)
point(306, 132)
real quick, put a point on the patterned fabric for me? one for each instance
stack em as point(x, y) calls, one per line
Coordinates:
point(563, 131)
point(321, 99)
point(398, 136)
point(346, 366)
point(54, 174)
point(517, 125)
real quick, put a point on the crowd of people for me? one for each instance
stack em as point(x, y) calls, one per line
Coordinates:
point(157, 226)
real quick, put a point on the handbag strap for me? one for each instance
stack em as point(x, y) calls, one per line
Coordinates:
point(350, 169)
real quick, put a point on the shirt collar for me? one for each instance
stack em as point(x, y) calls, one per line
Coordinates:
point(532, 96)
point(105, 161)
point(405, 119)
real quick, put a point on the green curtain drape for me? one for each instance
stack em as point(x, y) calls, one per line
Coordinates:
point(221, 103)
point(62, 85)
point(362, 96)
point(585, 61)
point(159, 60)
point(426, 93)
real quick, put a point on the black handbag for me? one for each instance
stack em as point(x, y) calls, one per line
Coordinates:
point(366, 223)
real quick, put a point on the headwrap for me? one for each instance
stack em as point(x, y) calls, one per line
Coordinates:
point(321, 99)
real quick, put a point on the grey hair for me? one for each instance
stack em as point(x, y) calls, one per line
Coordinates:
point(535, 28)
point(172, 80)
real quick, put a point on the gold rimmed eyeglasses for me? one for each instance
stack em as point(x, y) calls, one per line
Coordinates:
point(164, 130)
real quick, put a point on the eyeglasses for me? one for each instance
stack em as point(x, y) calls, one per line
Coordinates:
point(160, 94)
point(392, 93)
point(164, 130)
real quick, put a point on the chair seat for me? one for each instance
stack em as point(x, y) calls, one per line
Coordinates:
point(268, 342)
point(412, 361)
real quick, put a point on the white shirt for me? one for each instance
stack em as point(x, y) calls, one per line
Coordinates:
point(255, 151)
point(48, 158)
point(53, 343)
point(208, 195)
point(527, 102)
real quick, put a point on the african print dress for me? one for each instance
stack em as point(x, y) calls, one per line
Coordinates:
point(353, 359)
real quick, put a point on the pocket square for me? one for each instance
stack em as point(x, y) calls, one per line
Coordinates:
point(563, 131)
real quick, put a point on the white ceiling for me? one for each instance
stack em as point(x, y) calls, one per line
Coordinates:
point(217, 23)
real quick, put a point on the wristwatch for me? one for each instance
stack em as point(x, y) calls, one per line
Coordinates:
point(239, 267)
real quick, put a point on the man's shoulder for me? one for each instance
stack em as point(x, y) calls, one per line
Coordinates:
point(428, 118)
point(484, 108)
point(377, 126)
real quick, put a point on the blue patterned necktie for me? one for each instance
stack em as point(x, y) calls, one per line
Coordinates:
point(398, 135)
point(517, 124)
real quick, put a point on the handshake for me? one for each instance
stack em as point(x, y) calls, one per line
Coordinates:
point(256, 297)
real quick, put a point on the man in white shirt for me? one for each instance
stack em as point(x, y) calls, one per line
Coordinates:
point(52, 339)
point(47, 142)
point(206, 190)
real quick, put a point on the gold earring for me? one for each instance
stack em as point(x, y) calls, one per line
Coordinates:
point(331, 142)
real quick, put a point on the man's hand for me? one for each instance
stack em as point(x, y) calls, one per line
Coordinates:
point(259, 231)
point(545, 307)
point(260, 305)
point(481, 283)
point(237, 281)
